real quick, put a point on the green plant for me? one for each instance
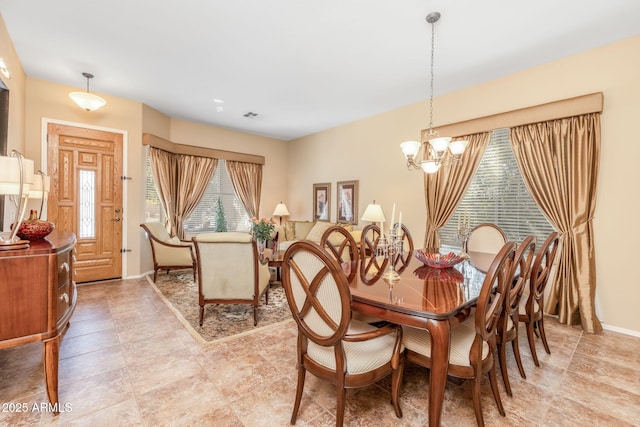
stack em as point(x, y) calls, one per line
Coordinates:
point(221, 219)
point(262, 228)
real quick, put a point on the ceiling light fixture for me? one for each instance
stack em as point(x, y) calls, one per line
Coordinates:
point(86, 100)
point(436, 147)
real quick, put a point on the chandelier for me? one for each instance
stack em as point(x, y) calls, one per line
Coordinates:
point(436, 146)
point(86, 100)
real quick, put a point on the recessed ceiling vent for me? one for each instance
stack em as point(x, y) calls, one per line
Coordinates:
point(251, 115)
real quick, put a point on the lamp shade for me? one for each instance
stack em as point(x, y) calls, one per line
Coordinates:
point(440, 144)
point(430, 166)
point(281, 210)
point(41, 186)
point(410, 148)
point(10, 175)
point(457, 147)
point(373, 213)
point(87, 101)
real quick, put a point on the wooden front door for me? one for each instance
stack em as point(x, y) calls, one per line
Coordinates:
point(85, 166)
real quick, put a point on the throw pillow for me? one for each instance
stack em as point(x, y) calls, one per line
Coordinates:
point(289, 230)
point(302, 228)
point(315, 234)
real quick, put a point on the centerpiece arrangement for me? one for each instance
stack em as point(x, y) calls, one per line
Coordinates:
point(262, 230)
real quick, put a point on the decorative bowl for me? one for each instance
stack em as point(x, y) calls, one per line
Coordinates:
point(437, 260)
point(443, 274)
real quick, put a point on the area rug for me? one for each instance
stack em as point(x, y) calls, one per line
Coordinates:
point(221, 321)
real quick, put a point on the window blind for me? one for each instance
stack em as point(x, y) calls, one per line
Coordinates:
point(497, 194)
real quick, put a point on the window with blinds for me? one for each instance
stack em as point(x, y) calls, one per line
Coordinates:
point(205, 216)
point(498, 194)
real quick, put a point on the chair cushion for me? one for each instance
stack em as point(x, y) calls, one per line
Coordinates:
point(361, 356)
point(462, 336)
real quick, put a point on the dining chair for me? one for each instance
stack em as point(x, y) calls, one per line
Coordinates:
point(508, 324)
point(473, 350)
point(339, 243)
point(331, 345)
point(230, 271)
point(485, 237)
point(400, 261)
point(371, 265)
point(169, 253)
point(532, 307)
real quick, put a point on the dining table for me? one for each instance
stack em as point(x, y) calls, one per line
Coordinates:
point(434, 299)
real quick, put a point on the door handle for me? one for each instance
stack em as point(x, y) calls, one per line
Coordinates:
point(116, 219)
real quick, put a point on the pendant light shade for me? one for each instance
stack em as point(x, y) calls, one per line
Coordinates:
point(87, 101)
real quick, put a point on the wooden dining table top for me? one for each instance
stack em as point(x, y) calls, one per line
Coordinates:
point(427, 292)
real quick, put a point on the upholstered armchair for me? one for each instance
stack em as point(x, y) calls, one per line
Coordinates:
point(169, 253)
point(229, 271)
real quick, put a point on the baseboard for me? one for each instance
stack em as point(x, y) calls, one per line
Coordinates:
point(621, 330)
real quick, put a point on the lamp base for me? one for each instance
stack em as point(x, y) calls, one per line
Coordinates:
point(7, 245)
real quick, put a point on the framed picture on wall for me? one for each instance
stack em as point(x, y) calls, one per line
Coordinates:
point(321, 201)
point(348, 202)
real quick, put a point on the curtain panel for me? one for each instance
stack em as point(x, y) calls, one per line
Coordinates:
point(181, 181)
point(444, 190)
point(247, 183)
point(559, 162)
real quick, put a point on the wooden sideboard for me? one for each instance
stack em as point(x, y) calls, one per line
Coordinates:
point(37, 299)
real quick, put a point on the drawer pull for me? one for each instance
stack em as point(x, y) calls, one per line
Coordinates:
point(64, 297)
point(64, 266)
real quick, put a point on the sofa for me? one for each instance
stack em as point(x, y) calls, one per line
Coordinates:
point(293, 231)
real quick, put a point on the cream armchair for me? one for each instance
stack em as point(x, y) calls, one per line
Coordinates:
point(169, 253)
point(229, 271)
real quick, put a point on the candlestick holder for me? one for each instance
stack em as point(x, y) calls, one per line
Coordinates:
point(387, 248)
point(462, 234)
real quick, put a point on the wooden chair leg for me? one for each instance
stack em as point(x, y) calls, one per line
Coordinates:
point(532, 342)
point(516, 352)
point(543, 335)
point(201, 315)
point(502, 358)
point(255, 314)
point(396, 384)
point(477, 405)
point(155, 275)
point(340, 405)
point(300, 387)
point(494, 389)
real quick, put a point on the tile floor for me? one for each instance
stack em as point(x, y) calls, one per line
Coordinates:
point(126, 360)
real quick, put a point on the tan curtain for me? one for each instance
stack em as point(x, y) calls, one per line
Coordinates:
point(444, 189)
point(163, 170)
point(559, 163)
point(193, 175)
point(247, 182)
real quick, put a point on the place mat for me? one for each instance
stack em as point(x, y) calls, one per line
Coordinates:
point(221, 321)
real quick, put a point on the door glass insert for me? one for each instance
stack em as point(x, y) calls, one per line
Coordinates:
point(87, 214)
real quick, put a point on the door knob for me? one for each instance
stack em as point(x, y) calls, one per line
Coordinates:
point(118, 210)
point(116, 219)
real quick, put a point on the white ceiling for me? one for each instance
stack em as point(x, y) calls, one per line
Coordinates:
point(302, 65)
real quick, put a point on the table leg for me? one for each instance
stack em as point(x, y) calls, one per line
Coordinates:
point(440, 340)
point(51, 352)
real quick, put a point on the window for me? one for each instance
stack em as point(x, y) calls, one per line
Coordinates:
point(498, 194)
point(152, 207)
point(203, 218)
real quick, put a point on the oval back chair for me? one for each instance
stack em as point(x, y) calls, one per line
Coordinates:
point(473, 343)
point(401, 260)
point(371, 265)
point(485, 237)
point(532, 308)
point(339, 243)
point(508, 325)
point(331, 345)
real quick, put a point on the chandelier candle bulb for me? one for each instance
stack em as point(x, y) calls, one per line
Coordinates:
point(400, 223)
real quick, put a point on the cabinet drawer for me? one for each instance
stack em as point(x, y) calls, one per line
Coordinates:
point(63, 299)
point(64, 267)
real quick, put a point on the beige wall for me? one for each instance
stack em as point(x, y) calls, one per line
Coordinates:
point(368, 150)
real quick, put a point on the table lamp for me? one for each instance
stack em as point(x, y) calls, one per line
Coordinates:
point(16, 178)
point(280, 211)
point(373, 213)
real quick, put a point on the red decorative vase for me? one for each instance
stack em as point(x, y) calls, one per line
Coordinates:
point(34, 228)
